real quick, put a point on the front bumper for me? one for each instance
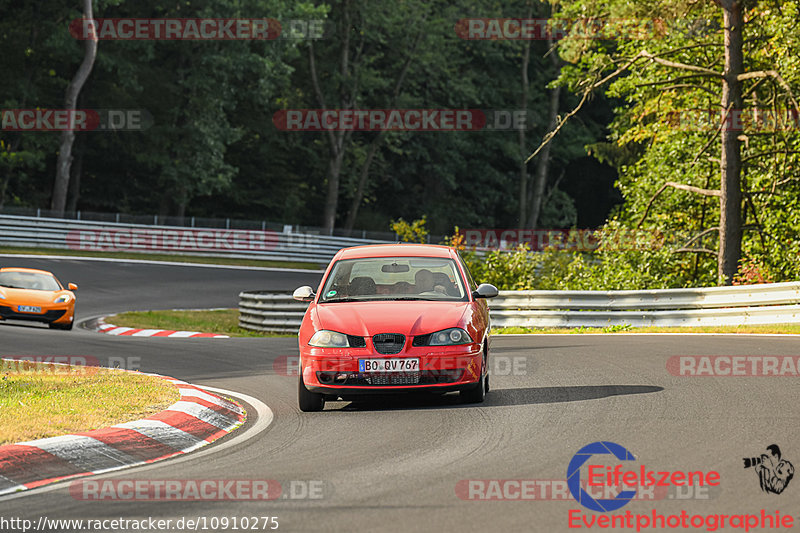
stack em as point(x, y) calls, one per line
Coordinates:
point(49, 315)
point(441, 369)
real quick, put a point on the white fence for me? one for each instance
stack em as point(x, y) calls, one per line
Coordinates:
point(715, 306)
point(211, 242)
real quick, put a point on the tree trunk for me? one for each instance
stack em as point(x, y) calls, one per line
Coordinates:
point(730, 237)
point(332, 196)
point(11, 148)
point(376, 141)
point(543, 164)
point(362, 182)
point(75, 182)
point(61, 184)
point(523, 154)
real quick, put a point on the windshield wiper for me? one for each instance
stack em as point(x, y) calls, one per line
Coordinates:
point(344, 300)
point(415, 298)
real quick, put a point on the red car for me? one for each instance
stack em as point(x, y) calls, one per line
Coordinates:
point(394, 318)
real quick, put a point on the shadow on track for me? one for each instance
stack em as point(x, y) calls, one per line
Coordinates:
point(537, 395)
point(495, 398)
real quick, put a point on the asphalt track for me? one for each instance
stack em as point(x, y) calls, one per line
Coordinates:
point(395, 465)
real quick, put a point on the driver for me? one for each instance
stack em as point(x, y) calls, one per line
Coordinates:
point(423, 280)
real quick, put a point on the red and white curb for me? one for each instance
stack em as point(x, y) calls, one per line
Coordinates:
point(111, 329)
point(198, 419)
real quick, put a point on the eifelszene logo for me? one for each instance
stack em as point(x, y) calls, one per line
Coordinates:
point(613, 479)
point(574, 476)
point(774, 473)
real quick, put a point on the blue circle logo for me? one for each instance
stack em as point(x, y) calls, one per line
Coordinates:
point(574, 476)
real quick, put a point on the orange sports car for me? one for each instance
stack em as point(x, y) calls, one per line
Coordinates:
point(28, 294)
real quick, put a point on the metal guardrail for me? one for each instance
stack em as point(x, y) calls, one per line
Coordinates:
point(209, 242)
point(198, 222)
point(774, 303)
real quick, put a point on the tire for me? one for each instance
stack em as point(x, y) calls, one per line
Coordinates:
point(66, 327)
point(477, 393)
point(308, 401)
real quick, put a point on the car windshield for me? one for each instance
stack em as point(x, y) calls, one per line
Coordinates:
point(394, 278)
point(29, 280)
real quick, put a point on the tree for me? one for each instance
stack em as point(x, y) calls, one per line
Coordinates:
point(643, 72)
point(61, 184)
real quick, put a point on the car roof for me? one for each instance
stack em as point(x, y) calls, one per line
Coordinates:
point(395, 250)
point(31, 270)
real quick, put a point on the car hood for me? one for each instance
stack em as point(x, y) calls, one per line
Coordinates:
point(28, 296)
point(370, 318)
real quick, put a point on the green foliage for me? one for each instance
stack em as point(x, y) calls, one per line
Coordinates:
point(650, 146)
point(411, 232)
point(213, 149)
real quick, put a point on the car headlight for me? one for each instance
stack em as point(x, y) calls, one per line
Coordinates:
point(329, 339)
point(2, 296)
point(64, 298)
point(448, 337)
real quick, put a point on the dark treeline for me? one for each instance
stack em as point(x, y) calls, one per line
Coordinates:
point(212, 149)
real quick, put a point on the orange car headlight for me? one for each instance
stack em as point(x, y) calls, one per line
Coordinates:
point(64, 298)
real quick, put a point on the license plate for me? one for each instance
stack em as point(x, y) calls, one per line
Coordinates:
point(29, 309)
point(388, 365)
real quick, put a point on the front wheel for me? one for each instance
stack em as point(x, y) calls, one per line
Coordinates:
point(309, 401)
point(477, 393)
point(66, 327)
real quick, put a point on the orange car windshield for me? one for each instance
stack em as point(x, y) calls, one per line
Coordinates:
point(394, 278)
point(29, 280)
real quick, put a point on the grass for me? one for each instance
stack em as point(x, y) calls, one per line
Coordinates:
point(792, 329)
point(223, 321)
point(226, 322)
point(39, 400)
point(164, 257)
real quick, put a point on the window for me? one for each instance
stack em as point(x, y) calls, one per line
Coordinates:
point(29, 280)
point(394, 278)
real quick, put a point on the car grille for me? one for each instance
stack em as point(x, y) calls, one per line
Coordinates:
point(49, 316)
point(388, 343)
point(422, 340)
point(375, 379)
point(392, 378)
point(356, 342)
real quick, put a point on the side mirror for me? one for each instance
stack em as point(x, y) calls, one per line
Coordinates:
point(485, 290)
point(72, 287)
point(304, 294)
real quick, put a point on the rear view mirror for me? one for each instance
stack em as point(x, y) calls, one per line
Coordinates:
point(304, 294)
point(72, 287)
point(485, 290)
point(394, 268)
